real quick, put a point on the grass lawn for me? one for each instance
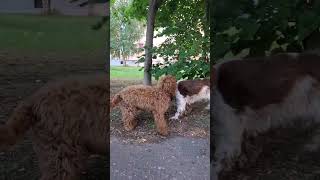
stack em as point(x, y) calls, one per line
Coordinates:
point(121, 72)
point(51, 34)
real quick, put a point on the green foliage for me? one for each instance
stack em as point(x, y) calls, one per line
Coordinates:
point(124, 32)
point(183, 69)
point(185, 26)
point(266, 27)
point(138, 9)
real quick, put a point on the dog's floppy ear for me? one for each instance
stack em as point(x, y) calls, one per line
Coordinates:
point(168, 84)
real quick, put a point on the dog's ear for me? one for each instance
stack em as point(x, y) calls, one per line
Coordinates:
point(168, 84)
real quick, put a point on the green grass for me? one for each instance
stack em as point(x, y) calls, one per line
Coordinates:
point(51, 34)
point(121, 72)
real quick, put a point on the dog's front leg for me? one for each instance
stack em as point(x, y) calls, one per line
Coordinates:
point(228, 148)
point(227, 134)
point(181, 106)
point(208, 98)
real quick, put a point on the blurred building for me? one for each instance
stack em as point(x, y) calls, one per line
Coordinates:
point(63, 7)
point(133, 59)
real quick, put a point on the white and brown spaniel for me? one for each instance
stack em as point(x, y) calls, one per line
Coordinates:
point(189, 92)
point(254, 95)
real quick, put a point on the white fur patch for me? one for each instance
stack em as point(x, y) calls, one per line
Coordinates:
point(302, 102)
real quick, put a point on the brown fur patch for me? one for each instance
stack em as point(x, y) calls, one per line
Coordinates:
point(257, 82)
point(192, 87)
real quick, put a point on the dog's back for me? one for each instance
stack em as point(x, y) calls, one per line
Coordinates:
point(76, 107)
point(192, 87)
point(141, 96)
point(257, 82)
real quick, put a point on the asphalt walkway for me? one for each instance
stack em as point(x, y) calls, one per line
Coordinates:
point(177, 158)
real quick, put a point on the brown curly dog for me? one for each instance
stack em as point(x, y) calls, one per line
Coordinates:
point(156, 99)
point(69, 120)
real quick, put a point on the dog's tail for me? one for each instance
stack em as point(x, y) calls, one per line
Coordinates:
point(17, 125)
point(115, 101)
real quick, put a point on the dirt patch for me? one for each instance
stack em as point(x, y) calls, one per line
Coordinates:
point(21, 75)
point(194, 124)
point(283, 156)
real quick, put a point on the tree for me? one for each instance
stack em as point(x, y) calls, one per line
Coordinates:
point(46, 5)
point(91, 7)
point(259, 28)
point(124, 32)
point(184, 24)
point(152, 11)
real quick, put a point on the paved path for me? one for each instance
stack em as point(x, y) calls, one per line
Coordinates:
point(177, 158)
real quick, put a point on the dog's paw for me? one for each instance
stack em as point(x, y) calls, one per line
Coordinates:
point(129, 126)
point(163, 132)
point(174, 118)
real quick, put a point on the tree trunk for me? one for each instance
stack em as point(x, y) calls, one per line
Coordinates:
point(90, 7)
point(46, 7)
point(210, 18)
point(152, 11)
point(124, 61)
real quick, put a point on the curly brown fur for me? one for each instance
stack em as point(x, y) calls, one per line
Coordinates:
point(69, 120)
point(151, 98)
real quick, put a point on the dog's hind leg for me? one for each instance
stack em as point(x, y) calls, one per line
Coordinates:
point(161, 123)
point(58, 162)
point(129, 117)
